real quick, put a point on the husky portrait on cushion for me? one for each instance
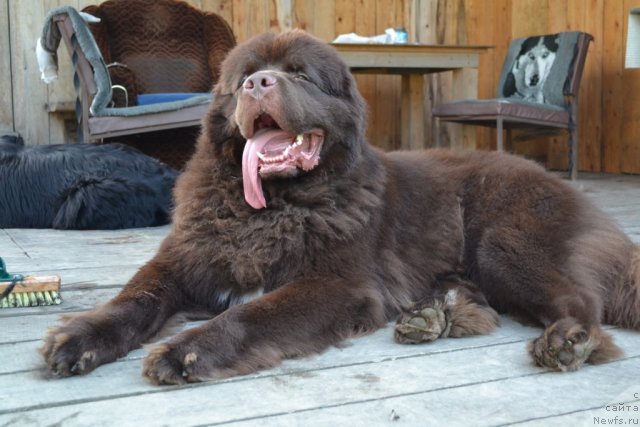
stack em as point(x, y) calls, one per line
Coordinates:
point(531, 68)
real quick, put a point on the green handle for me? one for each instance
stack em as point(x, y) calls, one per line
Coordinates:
point(5, 276)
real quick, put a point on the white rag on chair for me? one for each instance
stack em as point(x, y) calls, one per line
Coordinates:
point(47, 61)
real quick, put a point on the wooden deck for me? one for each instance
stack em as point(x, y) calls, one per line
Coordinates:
point(370, 381)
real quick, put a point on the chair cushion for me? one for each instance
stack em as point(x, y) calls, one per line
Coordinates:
point(155, 98)
point(537, 68)
point(490, 109)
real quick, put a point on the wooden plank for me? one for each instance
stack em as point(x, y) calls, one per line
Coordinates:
point(613, 90)
point(448, 27)
point(316, 17)
point(360, 383)
point(29, 92)
point(368, 349)
point(382, 56)
point(558, 150)
point(23, 357)
point(389, 14)
point(611, 143)
point(424, 14)
point(502, 26)
point(412, 113)
point(60, 92)
point(16, 328)
point(522, 24)
point(121, 379)
point(251, 18)
point(444, 19)
point(465, 86)
point(591, 88)
point(295, 388)
point(477, 13)
point(630, 142)
point(347, 21)
point(284, 15)
point(224, 8)
point(576, 21)
point(405, 59)
point(6, 75)
point(484, 404)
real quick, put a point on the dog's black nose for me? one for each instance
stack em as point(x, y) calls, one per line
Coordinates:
point(259, 83)
point(535, 79)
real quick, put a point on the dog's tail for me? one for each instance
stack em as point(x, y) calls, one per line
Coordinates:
point(10, 145)
point(624, 303)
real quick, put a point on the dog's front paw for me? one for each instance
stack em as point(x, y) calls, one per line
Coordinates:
point(173, 364)
point(75, 348)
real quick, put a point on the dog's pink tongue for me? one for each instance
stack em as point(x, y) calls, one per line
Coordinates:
point(250, 178)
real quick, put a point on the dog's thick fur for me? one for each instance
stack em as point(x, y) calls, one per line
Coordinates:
point(81, 186)
point(443, 238)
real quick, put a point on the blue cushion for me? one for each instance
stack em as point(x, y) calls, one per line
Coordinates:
point(156, 98)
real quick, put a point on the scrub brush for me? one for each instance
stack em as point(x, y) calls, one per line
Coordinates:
point(17, 290)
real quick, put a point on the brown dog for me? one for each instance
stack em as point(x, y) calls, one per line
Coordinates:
point(296, 234)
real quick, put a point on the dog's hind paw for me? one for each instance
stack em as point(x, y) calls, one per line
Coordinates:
point(566, 345)
point(422, 325)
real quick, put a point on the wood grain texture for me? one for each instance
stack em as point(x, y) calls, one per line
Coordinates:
point(369, 381)
point(613, 48)
point(6, 100)
point(609, 139)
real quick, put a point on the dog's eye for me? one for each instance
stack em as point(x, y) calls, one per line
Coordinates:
point(297, 73)
point(532, 56)
point(545, 54)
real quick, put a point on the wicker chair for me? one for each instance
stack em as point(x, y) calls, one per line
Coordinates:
point(148, 65)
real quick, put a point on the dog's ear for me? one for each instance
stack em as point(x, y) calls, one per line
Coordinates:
point(528, 44)
point(10, 145)
point(551, 42)
point(12, 140)
point(509, 88)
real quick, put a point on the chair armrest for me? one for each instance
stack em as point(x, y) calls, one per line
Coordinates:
point(65, 23)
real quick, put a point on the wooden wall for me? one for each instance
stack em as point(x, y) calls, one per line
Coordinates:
point(609, 106)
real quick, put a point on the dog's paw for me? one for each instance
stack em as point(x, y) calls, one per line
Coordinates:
point(566, 345)
point(74, 349)
point(422, 325)
point(170, 364)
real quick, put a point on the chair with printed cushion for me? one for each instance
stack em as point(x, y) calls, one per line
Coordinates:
point(538, 88)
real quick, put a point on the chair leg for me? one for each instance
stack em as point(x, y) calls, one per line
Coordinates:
point(509, 143)
point(573, 139)
point(435, 131)
point(573, 154)
point(499, 131)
